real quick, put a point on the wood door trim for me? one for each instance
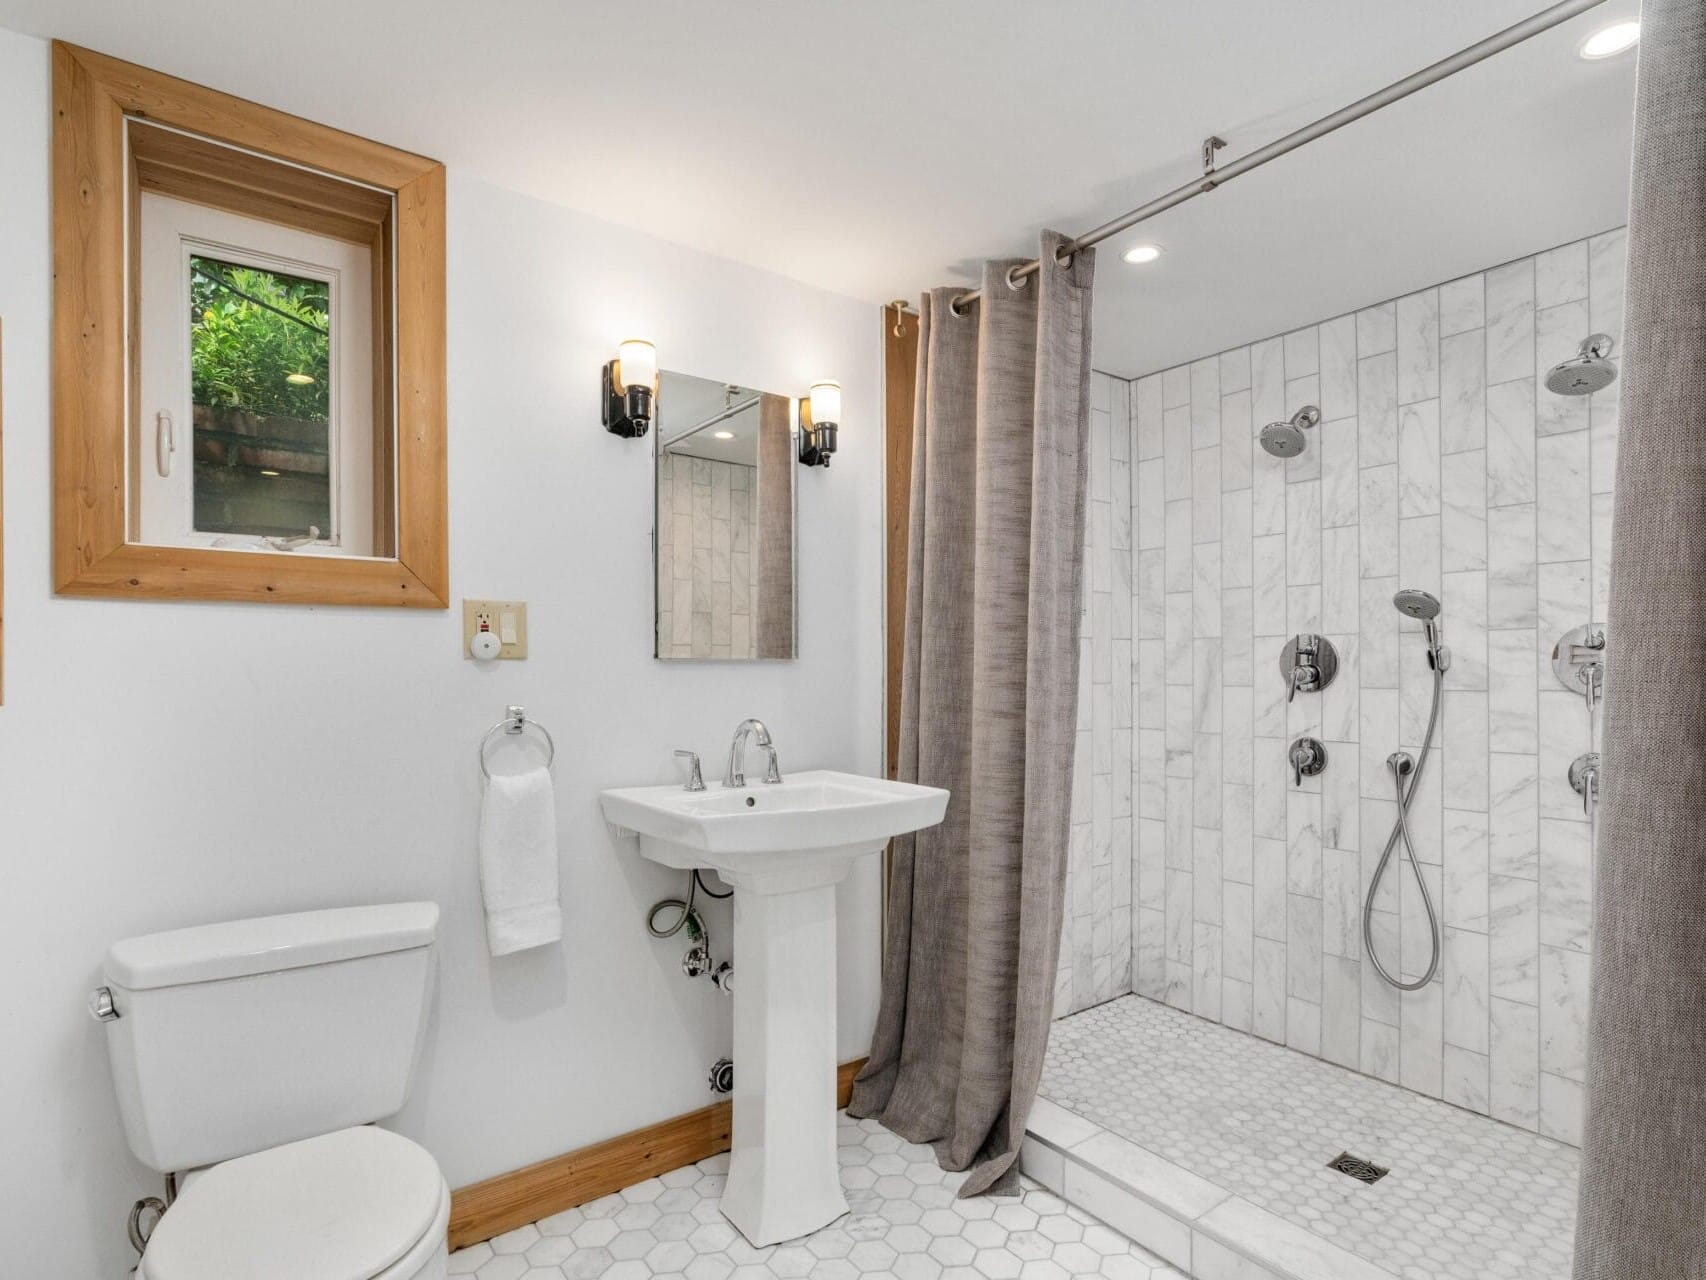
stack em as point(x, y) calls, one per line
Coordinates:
point(900, 383)
point(510, 1200)
point(2, 522)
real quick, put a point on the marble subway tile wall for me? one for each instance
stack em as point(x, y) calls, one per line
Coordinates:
point(1441, 462)
point(1096, 940)
point(707, 511)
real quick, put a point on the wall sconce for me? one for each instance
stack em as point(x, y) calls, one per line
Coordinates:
point(820, 419)
point(630, 384)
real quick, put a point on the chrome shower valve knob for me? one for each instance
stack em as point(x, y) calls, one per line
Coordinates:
point(1584, 780)
point(1308, 757)
point(1308, 664)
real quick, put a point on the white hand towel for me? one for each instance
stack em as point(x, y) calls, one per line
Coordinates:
point(518, 862)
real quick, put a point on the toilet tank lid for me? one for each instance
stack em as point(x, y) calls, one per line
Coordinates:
point(267, 944)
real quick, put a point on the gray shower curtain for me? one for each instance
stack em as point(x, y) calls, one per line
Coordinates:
point(989, 711)
point(1643, 1184)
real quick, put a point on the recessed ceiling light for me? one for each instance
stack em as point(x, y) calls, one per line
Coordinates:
point(1609, 41)
point(1138, 254)
point(266, 472)
point(724, 435)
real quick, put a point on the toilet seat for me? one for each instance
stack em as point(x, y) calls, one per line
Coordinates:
point(356, 1204)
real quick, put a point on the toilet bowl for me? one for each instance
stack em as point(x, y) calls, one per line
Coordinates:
point(251, 1059)
point(357, 1204)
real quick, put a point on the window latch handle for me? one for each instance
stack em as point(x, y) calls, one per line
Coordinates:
point(165, 441)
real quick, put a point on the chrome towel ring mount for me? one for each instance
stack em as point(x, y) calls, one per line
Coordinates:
point(512, 724)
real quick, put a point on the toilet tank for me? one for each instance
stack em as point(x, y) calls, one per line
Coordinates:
point(232, 1038)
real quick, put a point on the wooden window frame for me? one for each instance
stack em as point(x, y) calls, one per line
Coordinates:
point(95, 99)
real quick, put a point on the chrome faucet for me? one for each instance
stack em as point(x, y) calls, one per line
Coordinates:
point(736, 773)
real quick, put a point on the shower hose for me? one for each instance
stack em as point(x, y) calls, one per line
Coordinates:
point(1402, 766)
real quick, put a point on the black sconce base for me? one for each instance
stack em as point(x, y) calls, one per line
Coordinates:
point(817, 444)
point(627, 413)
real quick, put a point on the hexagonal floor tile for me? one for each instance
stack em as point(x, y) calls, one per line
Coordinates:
point(1466, 1195)
point(906, 1224)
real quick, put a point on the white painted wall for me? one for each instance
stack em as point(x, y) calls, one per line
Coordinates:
point(166, 764)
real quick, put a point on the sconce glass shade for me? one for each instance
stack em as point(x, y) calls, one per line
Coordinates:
point(637, 364)
point(826, 403)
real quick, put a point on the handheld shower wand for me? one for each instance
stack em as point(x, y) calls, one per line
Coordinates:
point(1406, 778)
point(1425, 608)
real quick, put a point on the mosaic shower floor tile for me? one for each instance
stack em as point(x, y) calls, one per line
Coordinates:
point(905, 1224)
point(1466, 1198)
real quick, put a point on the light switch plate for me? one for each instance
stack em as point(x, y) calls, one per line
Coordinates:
point(506, 619)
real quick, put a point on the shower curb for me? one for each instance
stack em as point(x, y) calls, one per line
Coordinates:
point(1196, 1225)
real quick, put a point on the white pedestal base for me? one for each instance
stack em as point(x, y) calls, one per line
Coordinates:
point(783, 1178)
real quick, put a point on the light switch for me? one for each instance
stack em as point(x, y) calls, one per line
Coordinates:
point(506, 620)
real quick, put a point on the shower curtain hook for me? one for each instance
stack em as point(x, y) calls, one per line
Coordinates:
point(1210, 145)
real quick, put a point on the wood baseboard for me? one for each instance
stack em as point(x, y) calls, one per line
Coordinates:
point(513, 1199)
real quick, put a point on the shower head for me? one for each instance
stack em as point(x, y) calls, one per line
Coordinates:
point(1424, 606)
point(1286, 439)
point(1590, 370)
point(1412, 603)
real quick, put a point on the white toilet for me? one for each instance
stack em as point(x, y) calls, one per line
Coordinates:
point(250, 1059)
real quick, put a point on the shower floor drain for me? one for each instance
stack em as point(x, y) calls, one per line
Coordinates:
point(1356, 1167)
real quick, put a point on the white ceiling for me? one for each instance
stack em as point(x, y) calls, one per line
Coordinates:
point(879, 147)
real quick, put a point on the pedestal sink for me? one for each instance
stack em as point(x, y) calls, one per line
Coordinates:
point(783, 847)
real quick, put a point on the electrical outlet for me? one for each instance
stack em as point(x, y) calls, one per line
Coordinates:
point(505, 619)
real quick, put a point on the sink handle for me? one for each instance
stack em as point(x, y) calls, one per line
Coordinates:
point(696, 781)
point(772, 770)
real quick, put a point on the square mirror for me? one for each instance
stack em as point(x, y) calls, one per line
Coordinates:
point(723, 541)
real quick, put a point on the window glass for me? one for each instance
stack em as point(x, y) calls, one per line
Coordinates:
point(260, 384)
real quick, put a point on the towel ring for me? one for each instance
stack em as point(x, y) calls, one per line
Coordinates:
point(514, 723)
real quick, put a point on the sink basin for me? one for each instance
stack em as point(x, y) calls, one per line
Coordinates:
point(810, 825)
point(784, 847)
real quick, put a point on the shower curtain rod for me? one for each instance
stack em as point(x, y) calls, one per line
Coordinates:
point(722, 415)
point(1212, 177)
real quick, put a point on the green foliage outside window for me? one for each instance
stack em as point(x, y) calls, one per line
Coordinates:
point(259, 341)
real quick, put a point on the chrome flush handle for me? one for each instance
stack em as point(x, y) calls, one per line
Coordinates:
point(101, 1006)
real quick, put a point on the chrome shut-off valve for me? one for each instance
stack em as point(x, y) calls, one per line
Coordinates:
point(722, 1076)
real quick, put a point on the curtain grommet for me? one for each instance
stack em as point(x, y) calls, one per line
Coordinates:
point(955, 308)
point(1020, 283)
